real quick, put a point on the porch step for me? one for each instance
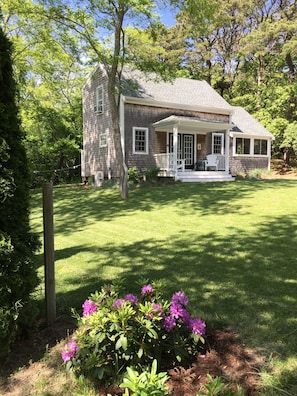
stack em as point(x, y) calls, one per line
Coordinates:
point(200, 176)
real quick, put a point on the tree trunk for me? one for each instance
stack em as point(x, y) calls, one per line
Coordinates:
point(117, 140)
point(260, 73)
point(291, 67)
point(114, 92)
point(286, 157)
point(123, 169)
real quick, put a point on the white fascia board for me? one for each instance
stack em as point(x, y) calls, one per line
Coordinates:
point(205, 126)
point(178, 106)
point(251, 136)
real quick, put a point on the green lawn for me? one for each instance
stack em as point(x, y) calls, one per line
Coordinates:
point(232, 247)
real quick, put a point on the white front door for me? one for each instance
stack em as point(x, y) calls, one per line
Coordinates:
point(188, 151)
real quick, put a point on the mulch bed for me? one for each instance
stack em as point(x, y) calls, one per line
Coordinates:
point(227, 357)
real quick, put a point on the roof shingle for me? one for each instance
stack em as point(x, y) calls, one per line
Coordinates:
point(247, 124)
point(183, 91)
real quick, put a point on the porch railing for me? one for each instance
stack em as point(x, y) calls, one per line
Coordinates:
point(221, 162)
point(165, 162)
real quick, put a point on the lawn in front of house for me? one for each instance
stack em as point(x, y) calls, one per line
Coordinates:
point(231, 247)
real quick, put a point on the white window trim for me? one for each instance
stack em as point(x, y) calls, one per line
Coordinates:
point(99, 101)
point(146, 130)
point(222, 145)
point(103, 137)
point(260, 155)
point(252, 139)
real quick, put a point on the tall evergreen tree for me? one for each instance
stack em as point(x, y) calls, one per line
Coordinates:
point(18, 278)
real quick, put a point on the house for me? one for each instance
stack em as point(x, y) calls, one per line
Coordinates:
point(183, 127)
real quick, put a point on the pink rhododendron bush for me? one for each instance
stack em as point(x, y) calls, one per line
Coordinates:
point(117, 332)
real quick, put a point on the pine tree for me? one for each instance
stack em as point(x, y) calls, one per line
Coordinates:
point(18, 277)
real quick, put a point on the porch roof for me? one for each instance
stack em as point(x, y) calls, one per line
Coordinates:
point(192, 124)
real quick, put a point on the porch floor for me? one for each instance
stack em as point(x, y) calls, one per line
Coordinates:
point(204, 176)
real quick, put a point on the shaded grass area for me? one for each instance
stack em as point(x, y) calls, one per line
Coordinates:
point(230, 246)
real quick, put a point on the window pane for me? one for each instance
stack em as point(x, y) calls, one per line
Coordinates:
point(238, 146)
point(257, 146)
point(99, 99)
point(102, 140)
point(260, 146)
point(140, 140)
point(264, 147)
point(217, 144)
point(246, 146)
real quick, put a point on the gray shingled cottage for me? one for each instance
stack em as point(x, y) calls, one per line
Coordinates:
point(183, 127)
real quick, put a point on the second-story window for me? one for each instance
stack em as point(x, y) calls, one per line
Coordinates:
point(99, 100)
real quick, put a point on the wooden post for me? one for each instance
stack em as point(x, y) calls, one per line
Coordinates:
point(49, 260)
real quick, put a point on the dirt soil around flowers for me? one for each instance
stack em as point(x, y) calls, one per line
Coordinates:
point(34, 366)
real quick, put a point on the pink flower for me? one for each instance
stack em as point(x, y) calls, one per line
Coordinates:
point(186, 317)
point(132, 298)
point(197, 326)
point(89, 307)
point(176, 310)
point(69, 351)
point(117, 303)
point(180, 298)
point(147, 289)
point(169, 323)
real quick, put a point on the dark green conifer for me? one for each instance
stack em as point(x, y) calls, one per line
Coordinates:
point(18, 277)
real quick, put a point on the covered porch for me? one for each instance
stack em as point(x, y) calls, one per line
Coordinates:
point(190, 148)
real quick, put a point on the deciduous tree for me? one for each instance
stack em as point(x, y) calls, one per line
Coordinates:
point(50, 76)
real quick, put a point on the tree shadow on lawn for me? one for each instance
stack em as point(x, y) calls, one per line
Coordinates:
point(78, 206)
point(246, 281)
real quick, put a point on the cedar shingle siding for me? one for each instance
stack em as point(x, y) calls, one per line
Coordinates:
point(145, 116)
point(94, 124)
point(239, 165)
point(155, 102)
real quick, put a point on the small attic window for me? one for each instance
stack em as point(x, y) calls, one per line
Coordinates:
point(99, 100)
point(102, 140)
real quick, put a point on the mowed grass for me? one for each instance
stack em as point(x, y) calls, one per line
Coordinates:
point(232, 247)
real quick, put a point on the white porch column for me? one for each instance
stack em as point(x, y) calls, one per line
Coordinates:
point(227, 151)
point(175, 140)
point(269, 152)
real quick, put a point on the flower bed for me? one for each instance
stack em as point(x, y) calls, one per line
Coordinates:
point(117, 332)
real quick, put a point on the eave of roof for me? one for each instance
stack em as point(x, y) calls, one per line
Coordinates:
point(172, 105)
point(248, 126)
point(191, 123)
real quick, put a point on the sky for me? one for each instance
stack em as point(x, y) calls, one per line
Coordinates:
point(167, 15)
